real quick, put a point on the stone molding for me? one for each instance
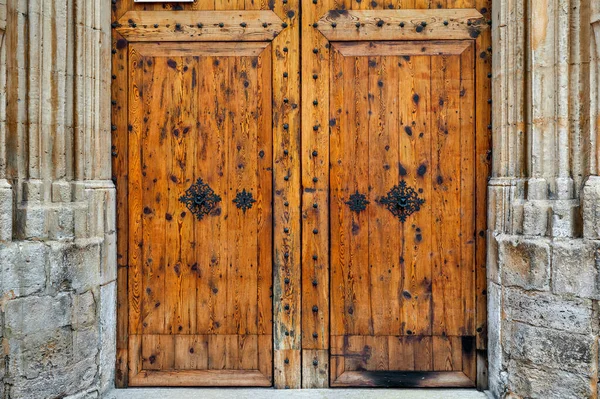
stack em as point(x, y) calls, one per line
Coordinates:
point(57, 202)
point(544, 200)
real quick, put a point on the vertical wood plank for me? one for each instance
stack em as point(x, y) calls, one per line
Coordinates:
point(315, 180)
point(158, 352)
point(315, 368)
point(136, 110)
point(191, 352)
point(264, 198)
point(287, 286)
point(448, 314)
point(120, 172)
point(384, 228)
point(467, 190)
point(415, 168)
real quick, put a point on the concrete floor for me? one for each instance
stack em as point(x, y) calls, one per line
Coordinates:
point(261, 393)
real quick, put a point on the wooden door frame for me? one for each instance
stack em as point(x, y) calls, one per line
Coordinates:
point(321, 26)
point(280, 26)
point(297, 364)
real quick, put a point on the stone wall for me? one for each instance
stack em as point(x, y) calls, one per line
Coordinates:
point(57, 216)
point(544, 208)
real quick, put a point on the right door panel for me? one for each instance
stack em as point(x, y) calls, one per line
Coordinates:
point(402, 213)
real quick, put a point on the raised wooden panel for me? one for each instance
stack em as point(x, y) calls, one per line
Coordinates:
point(200, 282)
point(402, 118)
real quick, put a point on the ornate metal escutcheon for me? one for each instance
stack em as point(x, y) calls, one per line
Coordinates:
point(402, 200)
point(357, 202)
point(244, 200)
point(200, 199)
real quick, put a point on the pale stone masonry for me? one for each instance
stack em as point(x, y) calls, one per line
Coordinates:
point(57, 215)
point(57, 203)
point(544, 205)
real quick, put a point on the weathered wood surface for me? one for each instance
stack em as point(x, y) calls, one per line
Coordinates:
point(278, 218)
point(440, 24)
point(399, 117)
point(292, 342)
point(190, 26)
point(200, 116)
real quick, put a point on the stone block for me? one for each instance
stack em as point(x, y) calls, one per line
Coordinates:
point(492, 265)
point(57, 382)
point(39, 352)
point(75, 266)
point(108, 331)
point(591, 208)
point(61, 191)
point(575, 268)
point(61, 223)
point(85, 343)
point(84, 395)
point(535, 218)
point(565, 220)
point(31, 222)
point(6, 211)
point(108, 269)
point(84, 310)
point(22, 268)
point(534, 382)
point(29, 315)
point(524, 262)
point(543, 309)
point(495, 354)
point(562, 350)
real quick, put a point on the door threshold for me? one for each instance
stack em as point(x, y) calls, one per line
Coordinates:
point(269, 393)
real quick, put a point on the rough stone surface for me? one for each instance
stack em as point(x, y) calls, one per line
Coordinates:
point(57, 204)
point(539, 382)
point(575, 268)
point(544, 196)
point(525, 262)
point(542, 309)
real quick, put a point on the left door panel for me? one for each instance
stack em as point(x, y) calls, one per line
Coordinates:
point(200, 161)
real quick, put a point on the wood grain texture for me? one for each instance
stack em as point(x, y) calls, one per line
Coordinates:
point(119, 101)
point(284, 165)
point(206, 26)
point(287, 285)
point(439, 24)
point(201, 116)
point(402, 118)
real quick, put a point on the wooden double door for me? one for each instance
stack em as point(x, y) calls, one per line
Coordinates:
point(301, 192)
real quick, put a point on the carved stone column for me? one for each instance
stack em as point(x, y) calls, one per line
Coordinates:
point(57, 223)
point(543, 275)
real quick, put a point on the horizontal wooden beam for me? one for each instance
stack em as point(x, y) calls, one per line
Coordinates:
point(403, 48)
point(440, 24)
point(210, 49)
point(200, 378)
point(200, 26)
point(404, 379)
